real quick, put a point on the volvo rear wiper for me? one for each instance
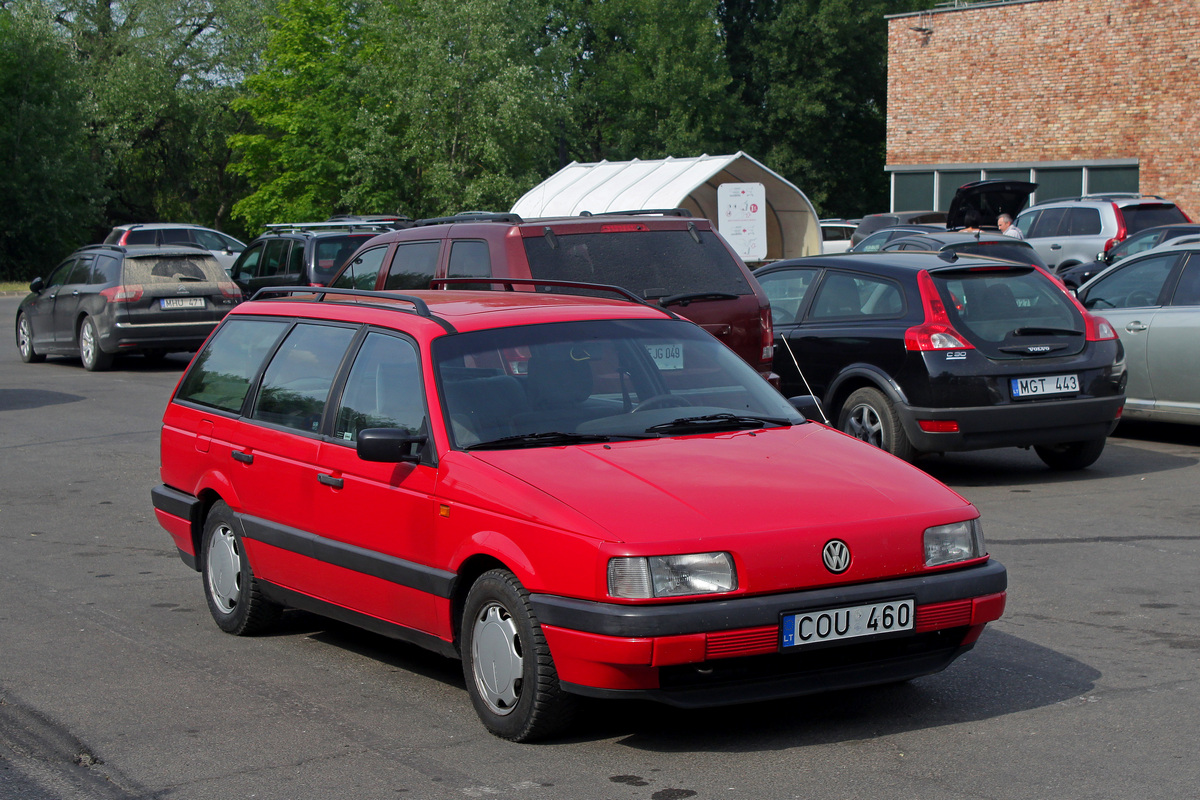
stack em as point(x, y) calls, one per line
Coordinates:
point(717, 421)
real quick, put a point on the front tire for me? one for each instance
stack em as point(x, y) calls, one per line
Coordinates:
point(869, 415)
point(94, 359)
point(507, 665)
point(25, 341)
point(1070, 455)
point(234, 598)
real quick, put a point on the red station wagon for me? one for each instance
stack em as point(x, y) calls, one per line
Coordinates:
point(576, 496)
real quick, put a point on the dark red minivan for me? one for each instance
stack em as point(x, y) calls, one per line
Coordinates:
point(665, 257)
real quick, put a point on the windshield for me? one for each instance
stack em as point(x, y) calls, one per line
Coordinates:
point(562, 383)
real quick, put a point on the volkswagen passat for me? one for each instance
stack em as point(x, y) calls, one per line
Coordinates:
point(557, 490)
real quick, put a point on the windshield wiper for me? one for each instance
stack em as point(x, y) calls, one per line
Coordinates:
point(722, 420)
point(540, 439)
point(687, 297)
point(1036, 331)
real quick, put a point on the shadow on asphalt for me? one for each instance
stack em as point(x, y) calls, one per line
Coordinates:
point(1002, 675)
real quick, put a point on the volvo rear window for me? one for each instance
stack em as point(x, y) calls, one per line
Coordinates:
point(650, 263)
point(1002, 309)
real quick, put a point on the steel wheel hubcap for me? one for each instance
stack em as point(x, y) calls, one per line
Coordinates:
point(224, 569)
point(865, 424)
point(496, 658)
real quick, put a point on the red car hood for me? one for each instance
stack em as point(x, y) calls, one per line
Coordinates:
point(703, 489)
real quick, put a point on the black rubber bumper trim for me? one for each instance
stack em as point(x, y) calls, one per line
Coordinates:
point(1015, 424)
point(849, 676)
point(176, 503)
point(368, 562)
point(610, 619)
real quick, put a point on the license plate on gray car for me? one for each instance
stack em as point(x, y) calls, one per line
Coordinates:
point(182, 302)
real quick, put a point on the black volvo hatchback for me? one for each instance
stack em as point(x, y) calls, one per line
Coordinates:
point(919, 352)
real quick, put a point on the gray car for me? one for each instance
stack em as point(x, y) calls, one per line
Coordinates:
point(223, 247)
point(1153, 302)
point(1071, 231)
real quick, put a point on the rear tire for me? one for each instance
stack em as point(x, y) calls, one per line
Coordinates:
point(1070, 455)
point(869, 415)
point(234, 599)
point(25, 341)
point(507, 665)
point(94, 359)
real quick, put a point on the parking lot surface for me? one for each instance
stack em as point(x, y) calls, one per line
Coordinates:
point(115, 683)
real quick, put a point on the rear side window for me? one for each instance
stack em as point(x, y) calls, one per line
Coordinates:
point(1083, 222)
point(105, 270)
point(176, 235)
point(221, 375)
point(1138, 218)
point(845, 296)
point(297, 380)
point(1187, 293)
point(1008, 307)
point(413, 265)
point(141, 236)
point(650, 263)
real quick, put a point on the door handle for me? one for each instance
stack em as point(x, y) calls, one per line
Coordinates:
point(245, 458)
point(329, 480)
point(1056, 247)
point(1136, 327)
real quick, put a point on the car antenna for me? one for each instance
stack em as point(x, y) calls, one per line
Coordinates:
point(824, 417)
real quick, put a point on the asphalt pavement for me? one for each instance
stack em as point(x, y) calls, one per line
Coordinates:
point(115, 683)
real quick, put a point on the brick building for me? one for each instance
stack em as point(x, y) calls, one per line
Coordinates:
point(1080, 96)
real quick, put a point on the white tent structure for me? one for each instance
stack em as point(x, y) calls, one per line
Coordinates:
point(606, 186)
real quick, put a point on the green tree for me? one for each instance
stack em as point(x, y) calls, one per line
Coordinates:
point(644, 80)
point(304, 100)
point(466, 105)
point(160, 77)
point(50, 182)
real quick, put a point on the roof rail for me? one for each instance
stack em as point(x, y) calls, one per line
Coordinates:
point(288, 227)
point(322, 292)
point(507, 283)
point(637, 212)
point(471, 216)
point(1103, 196)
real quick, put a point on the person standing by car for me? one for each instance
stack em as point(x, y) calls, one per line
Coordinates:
point(1005, 223)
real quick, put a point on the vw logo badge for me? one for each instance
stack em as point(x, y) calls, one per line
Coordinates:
point(836, 556)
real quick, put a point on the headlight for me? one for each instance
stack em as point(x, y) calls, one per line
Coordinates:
point(960, 541)
point(671, 576)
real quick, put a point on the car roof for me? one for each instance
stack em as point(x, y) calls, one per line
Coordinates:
point(145, 250)
point(892, 262)
point(452, 311)
point(958, 237)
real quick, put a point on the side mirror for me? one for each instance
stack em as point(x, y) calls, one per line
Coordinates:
point(390, 445)
point(807, 405)
point(36, 285)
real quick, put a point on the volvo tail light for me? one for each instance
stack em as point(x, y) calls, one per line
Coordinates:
point(129, 293)
point(936, 333)
point(768, 333)
point(1122, 231)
